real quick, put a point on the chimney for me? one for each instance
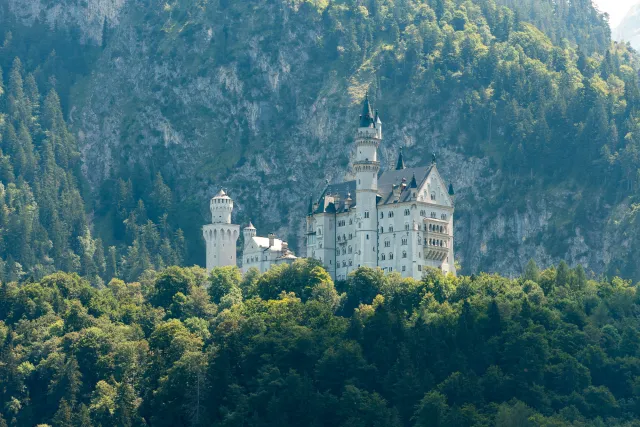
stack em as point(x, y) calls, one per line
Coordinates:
point(272, 238)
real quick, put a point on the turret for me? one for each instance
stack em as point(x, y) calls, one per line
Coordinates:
point(248, 233)
point(400, 163)
point(366, 167)
point(221, 207)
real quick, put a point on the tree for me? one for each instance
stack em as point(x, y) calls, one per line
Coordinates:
point(531, 271)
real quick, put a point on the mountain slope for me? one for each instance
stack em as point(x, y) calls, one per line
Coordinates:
point(629, 28)
point(261, 97)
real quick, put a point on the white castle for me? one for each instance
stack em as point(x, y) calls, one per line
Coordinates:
point(221, 237)
point(400, 220)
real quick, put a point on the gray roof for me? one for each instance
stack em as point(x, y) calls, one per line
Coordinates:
point(386, 182)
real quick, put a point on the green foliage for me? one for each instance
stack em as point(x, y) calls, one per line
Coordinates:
point(440, 352)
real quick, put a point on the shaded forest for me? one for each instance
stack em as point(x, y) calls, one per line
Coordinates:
point(288, 347)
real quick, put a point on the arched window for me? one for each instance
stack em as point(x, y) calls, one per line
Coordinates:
point(390, 229)
point(382, 229)
point(390, 255)
point(366, 214)
point(350, 250)
point(404, 241)
point(383, 257)
point(387, 244)
point(404, 254)
point(407, 212)
point(433, 195)
point(381, 215)
point(406, 226)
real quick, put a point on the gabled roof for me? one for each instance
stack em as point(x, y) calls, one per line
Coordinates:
point(263, 242)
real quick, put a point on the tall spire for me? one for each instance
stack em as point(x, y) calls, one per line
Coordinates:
point(366, 118)
point(400, 164)
point(414, 183)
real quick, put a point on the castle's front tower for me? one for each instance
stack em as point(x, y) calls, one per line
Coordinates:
point(221, 236)
point(366, 167)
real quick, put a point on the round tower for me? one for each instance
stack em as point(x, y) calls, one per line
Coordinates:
point(221, 207)
point(248, 233)
point(221, 235)
point(366, 168)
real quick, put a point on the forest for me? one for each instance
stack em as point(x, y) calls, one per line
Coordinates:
point(289, 347)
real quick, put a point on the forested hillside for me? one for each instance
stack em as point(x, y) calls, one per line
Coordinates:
point(287, 348)
point(46, 204)
point(532, 110)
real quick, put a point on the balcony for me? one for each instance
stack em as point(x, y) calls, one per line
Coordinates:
point(436, 246)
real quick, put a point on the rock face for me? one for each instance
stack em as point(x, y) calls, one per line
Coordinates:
point(89, 16)
point(629, 29)
point(213, 98)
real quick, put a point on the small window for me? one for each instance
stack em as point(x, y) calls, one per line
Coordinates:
point(390, 229)
point(350, 263)
point(390, 255)
point(350, 250)
point(443, 217)
point(367, 237)
point(383, 257)
point(407, 212)
point(366, 214)
point(387, 244)
point(381, 229)
point(381, 215)
point(404, 241)
point(406, 226)
point(419, 267)
point(404, 254)
point(433, 215)
point(404, 268)
point(350, 222)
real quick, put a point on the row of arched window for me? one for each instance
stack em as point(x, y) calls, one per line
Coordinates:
point(344, 251)
point(435, 242)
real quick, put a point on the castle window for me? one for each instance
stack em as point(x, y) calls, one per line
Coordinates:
point(390, 214)
point(350, 236)
point(350, 250)
point(366, 214)
point(344, 251)
point(350, 262)
point(387, 244)
point(319, 231)
point(423, 213)
point(407, 212)
point(383, 257)
point(338, 252)
point(350, 222)
point(367, 237)
point(404, 241)
point(338, 238)
point(381, 215)
point(390, 269)
point(391, 229)
point(443, 217)
point(433, 195)
point(419, 267)
point(433, 214)
point(406, 226)
point(404, 268)
point(382, 229)
point(390, 255)
point(404, 254)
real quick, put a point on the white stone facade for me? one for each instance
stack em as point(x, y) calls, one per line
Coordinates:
point(221, 237)
point(400, 220)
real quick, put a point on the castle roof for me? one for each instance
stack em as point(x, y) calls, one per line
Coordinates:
point(221, 195)
point(263, 242)
point(333, 197)
point(250, 226)
point(366, 118)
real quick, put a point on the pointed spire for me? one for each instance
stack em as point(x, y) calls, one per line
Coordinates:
point(250, 226)
point(414, 183)
point(400, 164)
point(377, 119)
point(366, 118)
point(433, 158)
point(451, 192)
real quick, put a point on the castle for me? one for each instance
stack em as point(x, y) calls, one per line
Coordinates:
point(221, 237)
point(399, 220)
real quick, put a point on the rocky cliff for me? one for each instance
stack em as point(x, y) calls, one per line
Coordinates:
point(244, 96)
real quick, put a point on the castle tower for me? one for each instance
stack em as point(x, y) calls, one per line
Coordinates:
point(366, 168)
point(248, 233)
point(221, 236)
